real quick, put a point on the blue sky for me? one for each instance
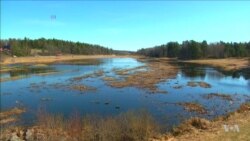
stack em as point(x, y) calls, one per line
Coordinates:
point(127, 25)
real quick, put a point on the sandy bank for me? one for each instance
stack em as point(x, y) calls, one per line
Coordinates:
point(49, 59)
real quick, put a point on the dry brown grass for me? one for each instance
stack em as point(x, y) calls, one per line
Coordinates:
point(191, 125)
point(193, 107)
point(198, 129)
point(226, 64)
point(90, 75)
point(129, 126)
point(198, 83)
point(82, 88)
point(49, 59)
point(218, 95)
point(10, 116)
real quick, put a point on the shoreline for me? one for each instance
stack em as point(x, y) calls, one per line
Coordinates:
point(227, 64)
point(50, 59)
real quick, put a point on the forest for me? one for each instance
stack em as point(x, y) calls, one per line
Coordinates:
point(42, 46)
point(198, 50)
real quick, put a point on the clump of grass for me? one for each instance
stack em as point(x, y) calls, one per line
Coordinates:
point(244, 107)
point(82, 88)
point(198, 83)
point(95, 74)
point(218, 95)
point(157, 71)
point(193, 107)
point(10, 116)
point(108, 79)
point(191, 125)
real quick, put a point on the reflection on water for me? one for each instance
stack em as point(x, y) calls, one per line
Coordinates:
point(31, 91)
point(29, 71)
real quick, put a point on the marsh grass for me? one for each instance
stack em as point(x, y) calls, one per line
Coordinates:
point(198, 83)
point(218, 95)
point(129, 126)
point(191, 125)
point(157, 70)
point(193, 107)
point(10, 116)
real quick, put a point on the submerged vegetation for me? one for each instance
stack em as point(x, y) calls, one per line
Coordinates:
point(218, 95)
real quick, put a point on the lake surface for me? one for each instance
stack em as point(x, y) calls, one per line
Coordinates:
point(32, 89)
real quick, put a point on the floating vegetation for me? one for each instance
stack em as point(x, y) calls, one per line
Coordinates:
point(98, 73)
point(193, 107)
point(82, 88)
point(46, 99)
point(218, 95)
point(108, 78)
point(129, 71)
point(9, 116)
point(158, 71)
point(177, 87)
point(107, 103)
point(198, 83)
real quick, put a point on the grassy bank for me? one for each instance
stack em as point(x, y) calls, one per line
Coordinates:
point(225, 64)
point(232, 127)
point(49, 59)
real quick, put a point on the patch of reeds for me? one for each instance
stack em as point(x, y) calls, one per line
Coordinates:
point(129, 126)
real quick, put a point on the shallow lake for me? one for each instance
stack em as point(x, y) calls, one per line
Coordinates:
point(48, 86)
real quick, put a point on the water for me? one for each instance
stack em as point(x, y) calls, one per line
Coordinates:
point(29, 91)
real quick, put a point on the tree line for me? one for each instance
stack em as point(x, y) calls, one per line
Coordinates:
point(42, 46)
point(197, 50)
